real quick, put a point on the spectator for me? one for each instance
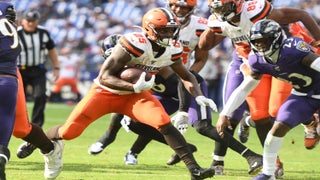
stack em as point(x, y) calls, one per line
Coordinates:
point(70, 66)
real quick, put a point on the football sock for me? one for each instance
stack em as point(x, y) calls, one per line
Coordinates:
point(220, 149)
point(262, 130)
point(39, 139)
point(177, 142)
point(110, 135)
point(206, 129)
point(270, 151)
point(146, 131)
point(140, 143)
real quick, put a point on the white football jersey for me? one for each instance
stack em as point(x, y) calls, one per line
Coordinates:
point(139, 47)
point(189, 36)
point(252, 11)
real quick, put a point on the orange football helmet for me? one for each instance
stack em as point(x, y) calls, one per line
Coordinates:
point(161, 26)
point(190, 4)
point(225, 9)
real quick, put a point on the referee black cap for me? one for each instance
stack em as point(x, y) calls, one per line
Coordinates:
point(31, 15)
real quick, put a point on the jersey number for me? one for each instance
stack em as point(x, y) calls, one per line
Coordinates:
point(7, 29)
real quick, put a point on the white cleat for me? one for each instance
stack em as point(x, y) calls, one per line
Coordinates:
point(53, 161)
point(130, 158)
point(95, 148)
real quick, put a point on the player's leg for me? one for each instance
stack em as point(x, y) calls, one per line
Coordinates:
point(258, 101)
point(55, 95)
point(233, 79)
point(8, 95)
point(84, 113)
point(31, 133)
point(280, 91)
point(109, 136)
point(294, 111)
point(311, 138)
point(173, 137)
point(244, 127)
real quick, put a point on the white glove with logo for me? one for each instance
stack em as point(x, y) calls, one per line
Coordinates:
point(142, 84)
point(181, 121)
point(125, 122)
point(203, 101)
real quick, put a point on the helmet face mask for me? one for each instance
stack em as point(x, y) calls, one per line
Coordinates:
point(225, 9)
point(266, 37)
point(186, 9)
point(161, 26)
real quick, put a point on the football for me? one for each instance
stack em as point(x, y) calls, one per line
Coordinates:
point(132, 74)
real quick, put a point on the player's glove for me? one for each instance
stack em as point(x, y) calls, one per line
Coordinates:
point(181, 121)
point(142, 84)
point(125, 122)
point(203, 101)
point(315, 44)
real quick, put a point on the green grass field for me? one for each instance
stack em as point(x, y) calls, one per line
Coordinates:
point(299, 163)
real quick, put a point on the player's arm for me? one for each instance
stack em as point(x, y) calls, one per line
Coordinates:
point(291, 15)
point(187, 78)
point(312, 60)
point(209, 39)
point(237, 97)
point(200, 59)
point(111, 67)
point(191, 84)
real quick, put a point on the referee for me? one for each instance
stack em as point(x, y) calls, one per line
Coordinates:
point(36, 45)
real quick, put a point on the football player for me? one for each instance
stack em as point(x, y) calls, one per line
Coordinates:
point(22, 128)
point(233, 19)
point(10, 50)
point(191, 28)
point(19, 125)
point(165, 91)
point(289, 59)
point(154, 48)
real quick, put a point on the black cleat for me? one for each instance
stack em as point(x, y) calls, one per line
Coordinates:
point(255, 164)
point(174, 159)
point(2, 168)
point(200, 173)
point(25, 150)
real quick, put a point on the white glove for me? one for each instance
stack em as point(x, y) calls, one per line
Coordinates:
point(142, 84)
point(125, 122)
point(203, 101)
point(181, 121)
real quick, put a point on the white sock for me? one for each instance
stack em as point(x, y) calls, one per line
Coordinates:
point(218, 158)
point(272, 145)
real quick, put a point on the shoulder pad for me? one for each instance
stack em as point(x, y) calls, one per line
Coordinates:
point(134, 43)
point(256, 9)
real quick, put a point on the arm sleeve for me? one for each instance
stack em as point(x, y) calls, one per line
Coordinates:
point(239, 95)
point(184, 97)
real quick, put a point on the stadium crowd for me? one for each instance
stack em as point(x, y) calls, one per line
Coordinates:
point(83, 24)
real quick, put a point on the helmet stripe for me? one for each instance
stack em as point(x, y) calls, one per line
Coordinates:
point(169, 16)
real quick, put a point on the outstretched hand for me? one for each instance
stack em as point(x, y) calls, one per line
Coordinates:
point(223, 122)
point(203, 101)
point(315, 44)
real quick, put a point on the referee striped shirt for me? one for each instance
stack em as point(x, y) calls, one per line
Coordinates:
point(34, 47)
